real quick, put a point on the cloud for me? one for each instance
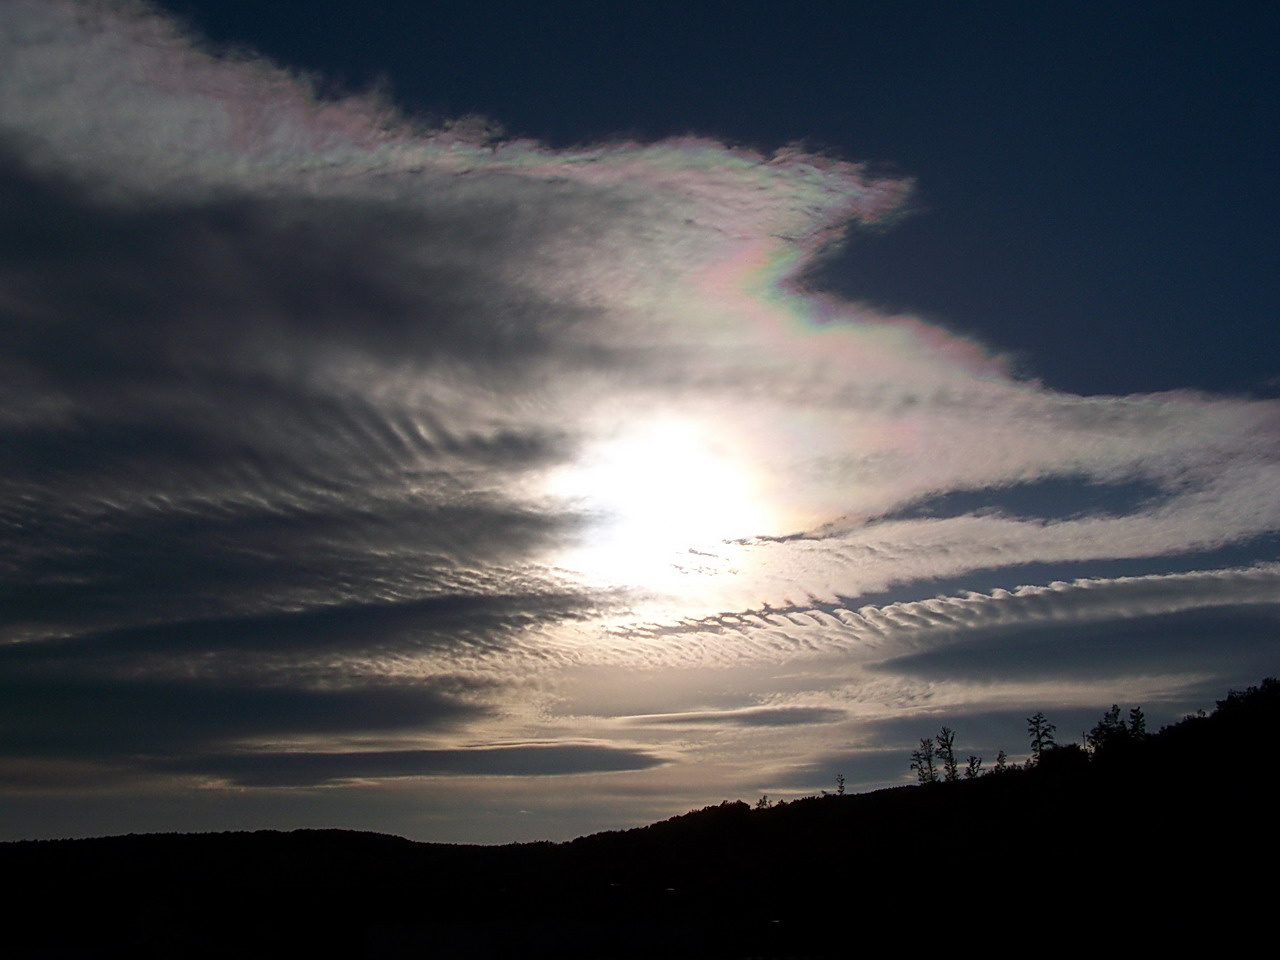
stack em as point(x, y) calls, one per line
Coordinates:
point(242, 332)
point(259, 311)
point(1239, 643)
point(174, 391)
point(324, 633)
point(876, 632)
point(749, 717)
point(304, 769)
point(119, 720)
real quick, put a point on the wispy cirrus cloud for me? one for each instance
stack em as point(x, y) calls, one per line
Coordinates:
point(746, 717)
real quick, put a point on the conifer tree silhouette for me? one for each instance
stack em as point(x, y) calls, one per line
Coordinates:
point(922, 761)
point(1041, 733)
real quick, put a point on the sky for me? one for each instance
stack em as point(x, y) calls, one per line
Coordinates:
point(490, 422)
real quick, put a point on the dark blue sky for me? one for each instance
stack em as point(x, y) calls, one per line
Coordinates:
point(1096, 182)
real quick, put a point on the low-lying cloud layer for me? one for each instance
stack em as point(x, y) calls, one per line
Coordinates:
point(335, 447)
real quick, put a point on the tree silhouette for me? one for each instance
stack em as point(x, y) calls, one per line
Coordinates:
point(947, 754)
point(974, 768)
point(1063, 760)
point(1041, 733)
point(1107, 732)
point(1002, 764)
point(1250, 701)
point(922, 761)
point(1112, 740)
point(1137, 724)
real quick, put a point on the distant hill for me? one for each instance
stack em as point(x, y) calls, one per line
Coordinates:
point(1147, 842)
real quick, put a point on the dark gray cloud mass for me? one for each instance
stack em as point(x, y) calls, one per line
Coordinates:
point(301, 769)
point(175, 445)
point(124, 721)
point(201, 529)
point(1236, 644)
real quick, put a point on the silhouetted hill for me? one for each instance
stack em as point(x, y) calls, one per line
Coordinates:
point(1166, 838)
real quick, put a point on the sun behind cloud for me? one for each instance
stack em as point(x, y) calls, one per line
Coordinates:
point(661, 495)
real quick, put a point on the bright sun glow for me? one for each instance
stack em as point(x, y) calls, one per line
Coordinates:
point(662, 498)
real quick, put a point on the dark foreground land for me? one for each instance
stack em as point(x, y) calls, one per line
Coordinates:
point(1167, 841)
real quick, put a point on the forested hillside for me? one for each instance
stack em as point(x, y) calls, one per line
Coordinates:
point(1150, 837)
